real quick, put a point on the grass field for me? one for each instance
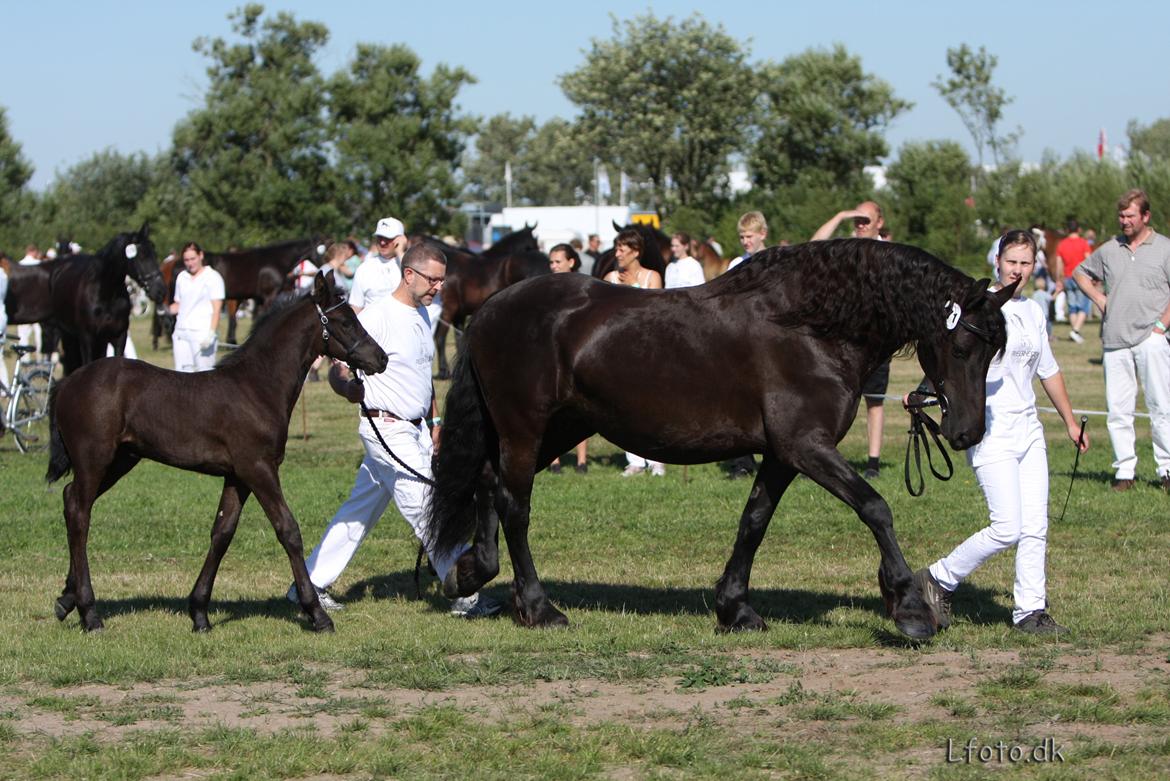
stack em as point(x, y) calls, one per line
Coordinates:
point(640, 686)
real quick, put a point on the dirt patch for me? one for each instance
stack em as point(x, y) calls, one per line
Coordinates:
point(779, 686)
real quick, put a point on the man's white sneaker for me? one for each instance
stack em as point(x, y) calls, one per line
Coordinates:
point(1076, 337)
point(658, 470)
point(328, 603)
point(631, 471)
point(475, 606)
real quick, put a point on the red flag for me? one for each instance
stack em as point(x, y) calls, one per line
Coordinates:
point(1101, 145)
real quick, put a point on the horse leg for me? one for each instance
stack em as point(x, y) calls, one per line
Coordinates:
point(513, 503)
point(227, 517)
point(731, 591)
point(233, 306)
point(903, 600)
point(266, 486)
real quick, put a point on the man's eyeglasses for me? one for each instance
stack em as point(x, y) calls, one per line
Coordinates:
point(432, 280)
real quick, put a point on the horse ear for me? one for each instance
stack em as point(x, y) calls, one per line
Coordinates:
point(144, 231)
point(616, 227)
point(323, 287)
point(1004, 295)
point(977, 290)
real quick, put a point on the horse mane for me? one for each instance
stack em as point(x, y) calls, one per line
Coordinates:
point(273, 317)
point(857, 290)
point(516, 241)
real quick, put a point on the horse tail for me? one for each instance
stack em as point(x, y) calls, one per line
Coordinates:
point(461, 459)
point(59, 462)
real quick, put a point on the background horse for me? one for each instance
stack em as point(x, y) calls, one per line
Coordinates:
point(472, 278)
point(713, 263)
point(259, 273)
point(85, 296)
point(655, 251)
point(789, 392)
point(107, 417)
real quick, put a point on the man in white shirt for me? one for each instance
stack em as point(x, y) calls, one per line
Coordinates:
point(401, 401)
point(378, 276)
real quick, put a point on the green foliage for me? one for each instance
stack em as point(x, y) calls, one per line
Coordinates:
point(99, 197)
point(15, 200)
point(1151, 141)
point(667, 102)
point(549, 164)
point(969, 91)
point(398, 139)
point(930, 202)
point(820, 112)
point(255, 158)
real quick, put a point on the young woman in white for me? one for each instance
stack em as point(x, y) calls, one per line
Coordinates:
point(199, 295)
point(1011, 463)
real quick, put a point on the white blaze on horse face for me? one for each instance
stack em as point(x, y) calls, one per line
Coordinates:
point(131, 251)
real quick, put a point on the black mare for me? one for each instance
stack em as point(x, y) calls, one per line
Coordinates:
point(472, 278)
point(259, 273)
point(84, 296)
point(230, 422)
point(655, 250)
point(768, 358)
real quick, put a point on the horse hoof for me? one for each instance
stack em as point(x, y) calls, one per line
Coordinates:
point(321, 627)
point(93, 627)
point(62, 607)
point(200, 627)
point(916, 628)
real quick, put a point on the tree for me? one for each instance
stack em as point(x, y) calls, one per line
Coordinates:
point(820, 112)
point(256, 156)
point(502, 139)
point(97, 198)
point(1152, 141)
point(398, 138)
point(549, 164)
point(930, 199)
point(980, 105)
point(15, 199)
point(667, 102)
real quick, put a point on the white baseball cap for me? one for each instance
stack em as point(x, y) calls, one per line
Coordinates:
point(389, 228)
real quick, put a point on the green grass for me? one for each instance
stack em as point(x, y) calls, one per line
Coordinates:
point(632, 563)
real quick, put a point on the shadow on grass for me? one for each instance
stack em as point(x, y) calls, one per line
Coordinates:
point(974, 604)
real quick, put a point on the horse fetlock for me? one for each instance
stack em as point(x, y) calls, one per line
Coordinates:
point(539, 614)
point(64, 606)
point(745, 619)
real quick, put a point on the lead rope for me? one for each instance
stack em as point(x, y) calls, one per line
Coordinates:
point(920, 425)
point(421, 549)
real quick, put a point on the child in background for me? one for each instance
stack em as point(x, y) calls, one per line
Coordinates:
point(1043, 296)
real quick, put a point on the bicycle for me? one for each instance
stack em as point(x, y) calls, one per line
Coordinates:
point(27, 410)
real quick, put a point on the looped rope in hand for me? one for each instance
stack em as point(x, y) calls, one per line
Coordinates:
point(920, 425)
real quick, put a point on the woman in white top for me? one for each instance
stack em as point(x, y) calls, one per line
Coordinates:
point(1011, 462)
point(627, 250)
point(683, 271)
point(199, 295)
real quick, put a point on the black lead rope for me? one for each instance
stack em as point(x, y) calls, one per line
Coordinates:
point(1076, 463)
point(421, 549)
point(921, 425)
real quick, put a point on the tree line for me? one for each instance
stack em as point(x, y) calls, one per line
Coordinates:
point(279, 149)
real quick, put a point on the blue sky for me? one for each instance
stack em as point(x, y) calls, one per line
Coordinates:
point(79, 77)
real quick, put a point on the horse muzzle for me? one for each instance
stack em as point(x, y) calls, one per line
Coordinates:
point(370, 358)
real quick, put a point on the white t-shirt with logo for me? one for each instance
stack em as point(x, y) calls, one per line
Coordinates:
point(376, 278)
point(1012, 423)
point(194, 295)
point(404, 332)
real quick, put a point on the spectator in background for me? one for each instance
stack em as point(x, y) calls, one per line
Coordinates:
point(1135, 305)
point(627, 250)
point(753, 236)
point(868, 223)
point(381, 272)
point(198, 301)
point(563, 259)
point(30, 333)
point(683, 271)
point(1071, 252)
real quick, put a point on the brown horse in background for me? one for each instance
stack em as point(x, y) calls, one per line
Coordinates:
point(713, 263)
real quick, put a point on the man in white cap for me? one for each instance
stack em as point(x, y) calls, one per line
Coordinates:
point(378, 276)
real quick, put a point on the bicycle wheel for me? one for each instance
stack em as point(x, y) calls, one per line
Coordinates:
point(29, 420)
point(37, 382)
